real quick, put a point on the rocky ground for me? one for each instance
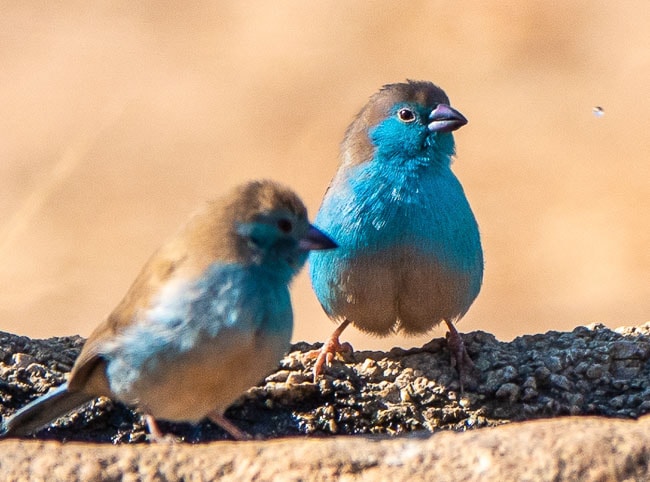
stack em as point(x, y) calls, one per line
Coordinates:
point(590, 371)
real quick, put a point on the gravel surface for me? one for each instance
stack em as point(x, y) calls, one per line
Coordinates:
point(592, 370)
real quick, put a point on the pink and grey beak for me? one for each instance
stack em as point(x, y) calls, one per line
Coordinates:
point(445, 119)
point(315, 239)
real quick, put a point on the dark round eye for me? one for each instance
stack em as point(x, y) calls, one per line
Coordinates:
point(285, 225)
point(406, 115)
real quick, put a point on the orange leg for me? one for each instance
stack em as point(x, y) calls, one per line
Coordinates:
point(155, 433)
point(459, 356)
point(329, 349)
point(234, 431)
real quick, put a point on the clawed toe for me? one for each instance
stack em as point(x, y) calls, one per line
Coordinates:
point(459, 357)
point(326, 355)
point(156, 435)
point(329, 349)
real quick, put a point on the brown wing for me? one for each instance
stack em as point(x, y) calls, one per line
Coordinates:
point(207, 237)
point(88, 373)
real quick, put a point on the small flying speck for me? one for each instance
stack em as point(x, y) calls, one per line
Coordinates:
point(598, 111)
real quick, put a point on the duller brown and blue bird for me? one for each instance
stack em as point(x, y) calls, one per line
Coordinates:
point(207, 318)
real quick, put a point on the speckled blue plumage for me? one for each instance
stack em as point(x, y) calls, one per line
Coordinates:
point(409, 251)
point(230, 303)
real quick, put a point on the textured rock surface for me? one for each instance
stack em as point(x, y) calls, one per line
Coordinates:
point(565, 449)
point(591, 370)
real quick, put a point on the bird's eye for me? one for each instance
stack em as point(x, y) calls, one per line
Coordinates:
point(406, 115)
point(285, 225)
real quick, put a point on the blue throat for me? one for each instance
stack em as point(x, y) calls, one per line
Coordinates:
point(380, 203)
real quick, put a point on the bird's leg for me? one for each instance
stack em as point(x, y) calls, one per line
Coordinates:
point(155, 434)
point(459, 356)
point(234, 431)
point(330, 348)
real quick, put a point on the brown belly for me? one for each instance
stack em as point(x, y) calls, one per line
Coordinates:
point(408, 292)
point(209, 378)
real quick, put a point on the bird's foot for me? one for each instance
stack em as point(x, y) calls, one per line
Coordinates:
point(234, 431)
point(330, 348)
point(156, 435)
point(459, 357)
point(326, 354)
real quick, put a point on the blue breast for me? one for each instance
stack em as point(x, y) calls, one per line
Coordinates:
point(379, 208)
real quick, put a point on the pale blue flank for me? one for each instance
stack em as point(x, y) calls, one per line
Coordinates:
point(189, 313)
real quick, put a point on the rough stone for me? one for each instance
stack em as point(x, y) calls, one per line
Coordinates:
point(412, 394)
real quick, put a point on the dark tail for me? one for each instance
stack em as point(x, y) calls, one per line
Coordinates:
point(43, 411)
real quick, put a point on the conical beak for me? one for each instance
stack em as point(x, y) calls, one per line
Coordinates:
point(315, 239)
point(445, 119)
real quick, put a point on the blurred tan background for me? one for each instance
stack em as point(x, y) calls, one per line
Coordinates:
point(119, 118)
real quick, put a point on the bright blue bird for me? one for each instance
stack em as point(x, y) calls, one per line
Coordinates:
point(409, 253)
point(207, 318)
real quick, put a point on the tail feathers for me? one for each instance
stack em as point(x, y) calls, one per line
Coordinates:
point(43, 411)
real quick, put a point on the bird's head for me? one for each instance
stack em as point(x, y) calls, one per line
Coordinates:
point(403, 121)
point(272, 229)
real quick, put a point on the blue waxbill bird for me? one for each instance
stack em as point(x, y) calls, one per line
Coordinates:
point(207, 318)
point(409, 253)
